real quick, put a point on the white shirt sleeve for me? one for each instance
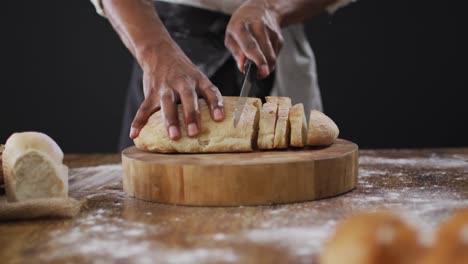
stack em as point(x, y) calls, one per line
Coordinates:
point(337, 5)
point(99, 8)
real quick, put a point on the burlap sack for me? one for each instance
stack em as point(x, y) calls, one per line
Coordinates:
point(40, 208)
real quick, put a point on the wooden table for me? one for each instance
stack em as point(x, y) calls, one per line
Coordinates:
point(425, 186)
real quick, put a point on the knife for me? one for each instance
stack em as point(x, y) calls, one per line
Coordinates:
point(249, 79)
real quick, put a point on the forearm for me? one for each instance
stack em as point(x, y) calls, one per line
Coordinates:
point(168, 74)
point(139, 27)
point(296, 11)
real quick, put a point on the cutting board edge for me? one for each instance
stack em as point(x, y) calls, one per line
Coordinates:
point(189, 185)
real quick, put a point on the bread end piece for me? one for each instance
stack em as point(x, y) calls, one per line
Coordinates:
point(32, 167)
point(298, 123)
point(322, 130)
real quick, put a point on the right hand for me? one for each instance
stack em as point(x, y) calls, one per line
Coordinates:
point(170, 76)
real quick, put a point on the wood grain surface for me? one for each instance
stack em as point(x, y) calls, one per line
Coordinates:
point(230, 179)
point(425, 186)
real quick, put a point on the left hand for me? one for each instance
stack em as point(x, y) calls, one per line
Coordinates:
point(254, 32)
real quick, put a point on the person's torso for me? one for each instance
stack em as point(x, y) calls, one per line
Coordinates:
point(295, 74)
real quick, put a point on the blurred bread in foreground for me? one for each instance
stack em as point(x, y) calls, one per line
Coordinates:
point(451, 241)
point(372, 238)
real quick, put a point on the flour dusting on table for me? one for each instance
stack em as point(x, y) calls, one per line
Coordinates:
point(424, 189)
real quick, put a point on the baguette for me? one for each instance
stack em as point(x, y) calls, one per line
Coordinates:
point(297, 119)
point(322, 130)
point(213, 136)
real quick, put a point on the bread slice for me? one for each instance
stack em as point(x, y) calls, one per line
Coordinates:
point(213, 136)
point(282, 129)
point(322, 130)
point(32, 167)
point(298, 122)
point(266, 133)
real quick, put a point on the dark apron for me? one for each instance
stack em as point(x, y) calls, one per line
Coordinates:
point(200, 34)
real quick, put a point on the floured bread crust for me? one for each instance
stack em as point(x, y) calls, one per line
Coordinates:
point(298, 122)
point(33, 168)
point(322, 130)
point(282, 129)
point(213, 136)
point(266, 133)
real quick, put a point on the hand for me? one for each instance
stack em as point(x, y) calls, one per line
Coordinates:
point(168, 75)
point(254, 32)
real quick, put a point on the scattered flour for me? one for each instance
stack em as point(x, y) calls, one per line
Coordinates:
point(100, 239)
point(299, 230)
point(432, 162)
point(94, 178)
point(198, 256)
point(219, 236)
point(297, 240)
point(371, 172)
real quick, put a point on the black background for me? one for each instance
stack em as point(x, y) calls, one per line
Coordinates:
point(393, 74)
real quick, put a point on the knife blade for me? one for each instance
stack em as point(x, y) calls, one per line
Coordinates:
point(249, 79)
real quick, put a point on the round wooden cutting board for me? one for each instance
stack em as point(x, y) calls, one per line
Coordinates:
point(227, 179)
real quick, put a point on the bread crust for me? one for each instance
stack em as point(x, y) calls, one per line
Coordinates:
point(213, 136)
point(322, 130)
